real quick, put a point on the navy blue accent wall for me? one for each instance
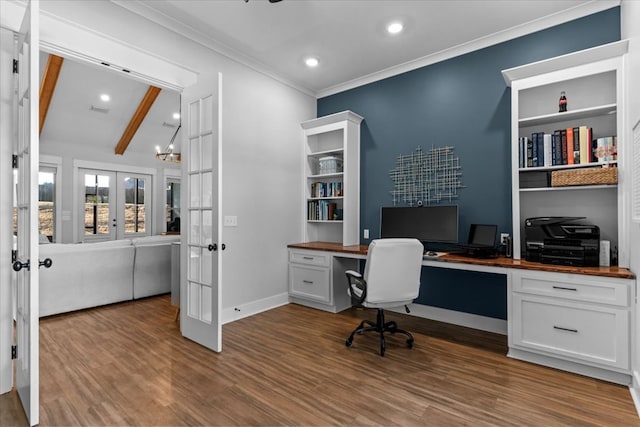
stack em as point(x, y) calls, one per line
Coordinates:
point(462, 102)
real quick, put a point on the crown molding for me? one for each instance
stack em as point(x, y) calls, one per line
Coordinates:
point(190, 33)
point(174, 25)
point(549, 21)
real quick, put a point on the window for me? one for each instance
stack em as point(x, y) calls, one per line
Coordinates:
point(134, 208)
point(172, 207)
point(97, 204)
point(46, 202)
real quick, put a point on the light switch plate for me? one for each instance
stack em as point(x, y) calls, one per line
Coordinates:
point(230, 221)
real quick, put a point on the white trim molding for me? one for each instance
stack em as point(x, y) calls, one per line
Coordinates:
point(474, 321)
point(231, 314)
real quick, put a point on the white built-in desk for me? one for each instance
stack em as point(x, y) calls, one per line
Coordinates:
point(572, 318)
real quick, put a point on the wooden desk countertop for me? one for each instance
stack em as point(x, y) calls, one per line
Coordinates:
point(616, 272)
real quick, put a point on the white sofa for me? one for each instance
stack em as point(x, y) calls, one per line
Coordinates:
point(88, 275)
point(152, 266)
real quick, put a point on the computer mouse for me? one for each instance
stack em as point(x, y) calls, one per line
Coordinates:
point(431, 253)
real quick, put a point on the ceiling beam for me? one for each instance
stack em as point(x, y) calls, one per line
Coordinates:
point(136, 120)
point(48, 85)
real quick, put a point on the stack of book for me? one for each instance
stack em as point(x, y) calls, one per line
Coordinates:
point(322, 210)
point(327, 189)
point(566, 147)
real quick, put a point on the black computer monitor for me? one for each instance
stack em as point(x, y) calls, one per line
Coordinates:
point(429, 224)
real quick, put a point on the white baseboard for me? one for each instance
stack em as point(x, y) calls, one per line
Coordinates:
point(475, 321)
point(483, 323)
point(254, 307)
point(634, 388)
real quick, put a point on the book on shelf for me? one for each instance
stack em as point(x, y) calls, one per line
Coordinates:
point(546, 144)
point(605, 149)
point(569, 146)
point(570, 158)
point(321, 210)
point(327, 189)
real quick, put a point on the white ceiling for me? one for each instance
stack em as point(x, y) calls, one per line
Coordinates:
point(347, 36)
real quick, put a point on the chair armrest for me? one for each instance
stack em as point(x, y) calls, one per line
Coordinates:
point(357, 287)
point(353, 273)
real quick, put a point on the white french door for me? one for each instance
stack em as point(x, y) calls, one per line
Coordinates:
point(26, 262)
point(115, 205)
point(201, 238)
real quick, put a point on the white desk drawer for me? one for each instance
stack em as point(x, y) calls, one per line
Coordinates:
point(310, 282)
point(573, 287)
point(309, 258)
point(577, 331)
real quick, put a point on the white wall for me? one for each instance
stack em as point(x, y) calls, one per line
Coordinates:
point(262, 148)
point(631, 31)
point(6, 226)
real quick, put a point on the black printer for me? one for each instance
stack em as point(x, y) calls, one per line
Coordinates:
point(562, 240)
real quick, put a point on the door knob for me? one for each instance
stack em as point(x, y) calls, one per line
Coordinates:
point(224, 246)
point(46, 263)
point(213, 247)
point(17, 266)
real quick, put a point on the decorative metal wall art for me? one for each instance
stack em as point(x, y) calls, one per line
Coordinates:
point(425, 178)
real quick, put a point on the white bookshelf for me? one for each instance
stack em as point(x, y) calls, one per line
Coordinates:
point(336, 135)
point(593, 82)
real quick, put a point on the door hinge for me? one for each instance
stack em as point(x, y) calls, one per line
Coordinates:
point(14, 352)
point(15, 66)
point(14, 256)
point(14, 161)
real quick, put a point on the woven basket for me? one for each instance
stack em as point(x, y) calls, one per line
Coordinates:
point(589, 176)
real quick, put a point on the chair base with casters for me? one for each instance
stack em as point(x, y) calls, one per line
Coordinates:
point(381, 327)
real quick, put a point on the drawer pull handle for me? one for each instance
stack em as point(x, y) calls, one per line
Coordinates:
point(308, 282)
point(565, 288)
point(307, 257)
point(575, 331)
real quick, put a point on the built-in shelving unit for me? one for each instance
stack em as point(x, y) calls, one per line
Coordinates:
point(572, 321)
point(593, 83)
point(332, 214)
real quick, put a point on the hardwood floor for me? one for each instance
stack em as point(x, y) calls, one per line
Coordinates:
point(127, 364)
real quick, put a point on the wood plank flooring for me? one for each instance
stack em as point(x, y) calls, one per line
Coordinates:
point(127, 364)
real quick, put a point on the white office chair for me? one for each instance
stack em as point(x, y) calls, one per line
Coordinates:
point(391, 279)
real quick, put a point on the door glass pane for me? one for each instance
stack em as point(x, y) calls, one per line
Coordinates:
point(207, 194)
point(96, 204)
point(193, 299)
point(194, 154)
point(46, 208)
point(207, 115)
point(134, 212)
point(207, 268)
point(207, 227)
point(194, 263)
point(194, 225)
point(194, 186)
point(207, 151)
point(206, 304)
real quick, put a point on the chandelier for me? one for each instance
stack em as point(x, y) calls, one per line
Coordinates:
point(168, 155)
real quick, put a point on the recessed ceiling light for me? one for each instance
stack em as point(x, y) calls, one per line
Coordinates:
point(394, 27)
point(311, 62)
point(104, 97)
point(176, 116)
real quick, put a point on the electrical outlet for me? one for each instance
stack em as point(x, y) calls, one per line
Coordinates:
point(366, 233)
point(230, 221)
point(503, 238)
